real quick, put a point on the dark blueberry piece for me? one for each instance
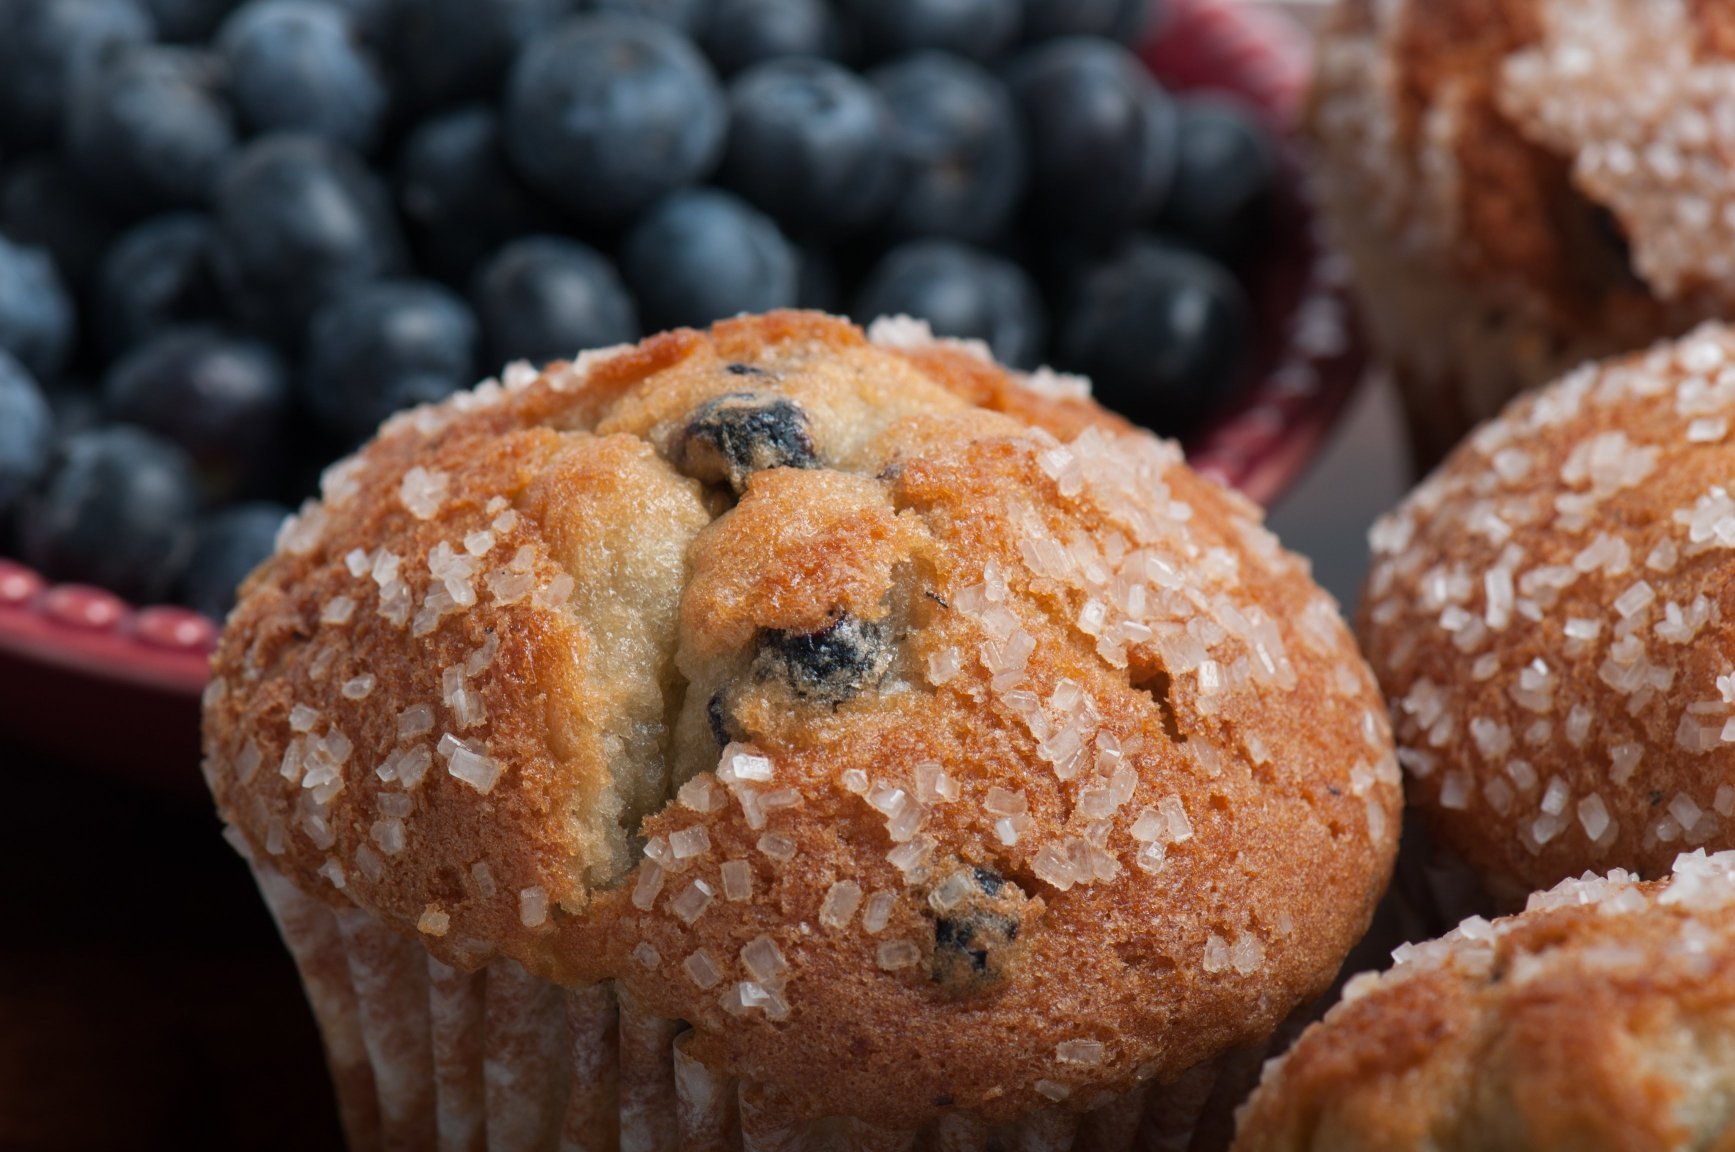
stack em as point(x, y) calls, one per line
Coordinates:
point(45, 203)
point(1100, 133)
point(229, 545)
point(978, 28)
point(1128, 21)
point(298, 220)
point(116, 509)
point(36, 314)
point(547, 298)
point(188, 21)
point(960, 292)
point(608, 113)
point(221, 399)
point(460, 196)
point(733, 436)
point(1225, 177)
point(976, 939)
point(151, 129)
point(26, 433)
point(960, 144)
point(448, 51)
point(692, 17)
point(1163, 333)
point(717, 716)
point(157, 276)
point(989, 881)
point(380, 347)
point(299, 65)
point(829, 666)
point(701, 255)
point(744, 32)
point(47, 48)
point(810, 142)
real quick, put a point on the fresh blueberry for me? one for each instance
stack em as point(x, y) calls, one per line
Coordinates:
point(47, 48)
point(116, 509)
point(810, 143)
point(1100, 132)
point(46, 204)
point(221, 399)
point(299, 65)
point(609, 113)
point(188, 21)
point(744, 32)
point(380, 347)
point(1163, 333)
point(960, 144)
point(1125, 20)
point(701, 255)
point(298, 219)
point(978, 28)
point(151, 129)
point(960, 292)
point(449, 51)
point(229, 545)
point(548, 298)
point(692, 17)
point(26, 433)
point(157, 276)
point(1225, 178)
point(730, 438)
point(36, 314)
point(460, 196)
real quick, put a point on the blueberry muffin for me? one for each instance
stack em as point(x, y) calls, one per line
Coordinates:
point(779, 731)
point(1598, 1018)
point(1524, 184)
point(1550, 617)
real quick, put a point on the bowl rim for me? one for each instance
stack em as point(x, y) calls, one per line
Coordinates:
point(1308, 368)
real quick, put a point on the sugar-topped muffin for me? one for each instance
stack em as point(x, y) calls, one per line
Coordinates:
point(1523, 184)
point(881, 737)
point(1599, 1018)
point(1550, 617)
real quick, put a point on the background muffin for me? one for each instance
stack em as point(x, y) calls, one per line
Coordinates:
point(932, 763)
point(1523, 184)
point(1549, 615)
point(1598, 1018)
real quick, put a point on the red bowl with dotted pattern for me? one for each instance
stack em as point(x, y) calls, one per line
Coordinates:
point(94, 680)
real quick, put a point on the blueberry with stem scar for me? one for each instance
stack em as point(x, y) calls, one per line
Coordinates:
point(831, 665)
point(733, 436)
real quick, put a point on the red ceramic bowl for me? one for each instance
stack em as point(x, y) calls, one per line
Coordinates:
point(96, 681)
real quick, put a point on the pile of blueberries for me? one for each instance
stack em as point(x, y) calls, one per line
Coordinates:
point(235, 237)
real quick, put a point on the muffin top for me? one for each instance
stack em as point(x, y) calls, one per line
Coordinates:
point(1598, 1018)
point(1581, 152)
point(1550, 615)
point(925, 737)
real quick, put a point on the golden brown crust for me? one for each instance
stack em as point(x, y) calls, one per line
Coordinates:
point(1597, 1020)
point(1550, 616)
point(1025, 741)
point(1513, 181)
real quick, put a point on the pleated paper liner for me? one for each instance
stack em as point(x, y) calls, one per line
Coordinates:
point(427, 1057)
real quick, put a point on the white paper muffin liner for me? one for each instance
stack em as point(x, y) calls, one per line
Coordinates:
point(425, 1057)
